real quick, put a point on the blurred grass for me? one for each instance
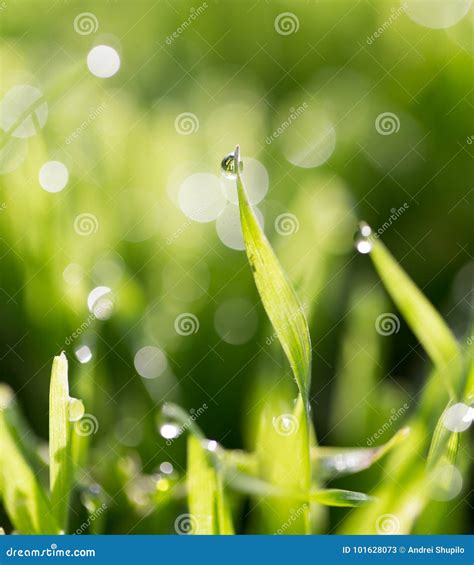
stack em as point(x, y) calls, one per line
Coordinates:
point(126, 167)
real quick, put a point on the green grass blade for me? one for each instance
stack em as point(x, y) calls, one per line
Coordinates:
point(208, 506)
point(333, 462)
point(338, 497)
point(60, 430)
point(23, 497)
point(278, 297)
point(422, 317)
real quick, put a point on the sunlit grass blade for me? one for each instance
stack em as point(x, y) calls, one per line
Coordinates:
point(334, 462)
point(422, 317)
point(208, 506)
point(338, 497)
point(23, 497)
point(278, 297)
point(61, 468)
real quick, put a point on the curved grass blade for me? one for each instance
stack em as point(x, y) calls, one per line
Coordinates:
point(23, 497)
point(422, 317)
point(278, 297)
point(333, 462)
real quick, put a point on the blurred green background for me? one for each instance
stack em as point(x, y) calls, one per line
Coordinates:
point(344, 111)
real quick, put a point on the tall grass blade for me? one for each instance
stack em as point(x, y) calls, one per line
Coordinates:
point(278, 297)
point(60, 441)
point(208, 506)
point(422, 317)
point(23, 497)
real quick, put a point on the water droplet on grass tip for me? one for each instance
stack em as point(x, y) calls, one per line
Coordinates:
point(75, 409)
point(230, 163)
point(363, 238)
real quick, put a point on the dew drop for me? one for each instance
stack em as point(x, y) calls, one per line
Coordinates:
point(166, 467)
point(169, 431)
point(210, 445)
point(229, 164)
point(363, 238)
point(75, 409)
